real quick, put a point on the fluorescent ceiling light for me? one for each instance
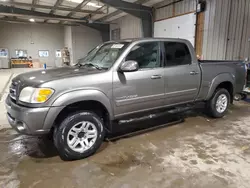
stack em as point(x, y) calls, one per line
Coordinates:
point(75, 1)
point(94, 5)
point(32, 20)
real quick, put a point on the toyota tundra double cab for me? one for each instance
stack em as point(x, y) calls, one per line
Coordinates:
point(117, 80)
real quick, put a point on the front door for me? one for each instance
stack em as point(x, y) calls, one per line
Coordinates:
point(182, 75)
point(143, 89)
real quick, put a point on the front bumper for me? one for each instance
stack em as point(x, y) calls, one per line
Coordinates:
point(29, 121)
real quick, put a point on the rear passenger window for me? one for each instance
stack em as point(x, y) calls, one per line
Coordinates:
point(177, 54)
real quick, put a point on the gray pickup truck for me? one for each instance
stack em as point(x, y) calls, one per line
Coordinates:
point(114, 82)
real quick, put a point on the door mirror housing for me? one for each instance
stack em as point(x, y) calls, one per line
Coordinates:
point(129, 66)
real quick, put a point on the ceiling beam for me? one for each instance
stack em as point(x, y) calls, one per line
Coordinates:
point(49, 7)
point(12, 20)
point(22, 13)
point(115, 13)
point(99, 9)
point(58, 3)
point(140, 11)
point(120, 11)
point(34, 2)
point(134, 9)
point(65, 19)
point(12, 11)
point(79, 7)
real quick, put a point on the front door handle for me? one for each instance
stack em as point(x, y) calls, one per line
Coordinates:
point(193, 73)
point(156, 77)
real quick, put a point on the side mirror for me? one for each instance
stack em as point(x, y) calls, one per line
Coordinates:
point(129, 66)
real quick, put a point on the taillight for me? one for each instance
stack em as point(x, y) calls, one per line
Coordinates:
point(246, 69)
point(246, 75)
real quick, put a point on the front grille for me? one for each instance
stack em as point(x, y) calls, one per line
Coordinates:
point(13, 90)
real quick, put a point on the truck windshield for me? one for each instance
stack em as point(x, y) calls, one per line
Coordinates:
point(103, 56)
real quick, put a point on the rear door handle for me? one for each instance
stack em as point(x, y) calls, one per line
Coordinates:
point(193, 73)
point(156, 77)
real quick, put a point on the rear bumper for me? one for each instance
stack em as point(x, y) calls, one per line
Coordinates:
point(29, 121)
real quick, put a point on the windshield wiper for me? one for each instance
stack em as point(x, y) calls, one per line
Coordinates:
point(90, 64)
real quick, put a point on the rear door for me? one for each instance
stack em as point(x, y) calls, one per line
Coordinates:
point(181, 74)
point(143, 89)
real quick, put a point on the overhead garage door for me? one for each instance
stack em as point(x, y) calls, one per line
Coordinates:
point(177, 27)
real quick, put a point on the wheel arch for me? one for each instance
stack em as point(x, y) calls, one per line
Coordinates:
point(91, 100)
point(225, 81)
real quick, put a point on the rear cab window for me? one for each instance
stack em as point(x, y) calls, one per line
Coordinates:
point(176, 54)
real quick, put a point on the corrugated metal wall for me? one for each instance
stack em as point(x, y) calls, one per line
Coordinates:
point(239, 30)
point(227, 29)
point(215, 29)
point(185, 6)
point(131, 27)
point(226, 26)
point(169, 10)
point(164, 12)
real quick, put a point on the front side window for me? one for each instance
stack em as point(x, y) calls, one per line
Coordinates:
point(177, 54)
point(146, 55)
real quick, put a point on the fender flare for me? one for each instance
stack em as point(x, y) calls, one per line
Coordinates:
point(85, 95)
point(223, 77)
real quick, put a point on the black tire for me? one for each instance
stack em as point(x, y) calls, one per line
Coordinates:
point(237, 97)
point(243, 96)
point(211, 104)
point(61, 133)
point(54, 135)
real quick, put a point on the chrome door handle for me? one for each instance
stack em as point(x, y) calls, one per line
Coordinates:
point(156, 77)
point(193, 73)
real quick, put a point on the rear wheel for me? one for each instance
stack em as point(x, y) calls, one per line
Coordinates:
point(79, 135)
point(237, 97)
point(243, 96)
point(219, 103)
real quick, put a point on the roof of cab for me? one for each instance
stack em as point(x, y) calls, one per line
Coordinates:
point(147, 39)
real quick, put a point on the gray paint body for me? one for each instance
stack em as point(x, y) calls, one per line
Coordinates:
point(124, 93)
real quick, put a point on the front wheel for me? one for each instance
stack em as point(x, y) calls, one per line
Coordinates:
point(79, 135)
point(219, 103)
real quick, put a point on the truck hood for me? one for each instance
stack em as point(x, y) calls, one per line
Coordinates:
point(35, 78)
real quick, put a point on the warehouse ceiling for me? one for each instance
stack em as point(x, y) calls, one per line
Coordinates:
point(67, 12)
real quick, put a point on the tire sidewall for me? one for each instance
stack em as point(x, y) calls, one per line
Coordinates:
point(67, 124)
point(244, 97)
point(214, 111)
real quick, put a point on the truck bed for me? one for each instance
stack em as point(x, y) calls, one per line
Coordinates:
point(212, 68)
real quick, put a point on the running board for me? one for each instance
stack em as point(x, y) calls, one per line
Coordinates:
point(156, 115)
point(144, 130)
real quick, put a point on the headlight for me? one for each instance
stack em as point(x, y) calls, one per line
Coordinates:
point(35, 95)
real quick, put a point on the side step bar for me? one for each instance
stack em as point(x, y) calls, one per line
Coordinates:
point(156, 115)
point(130, 134)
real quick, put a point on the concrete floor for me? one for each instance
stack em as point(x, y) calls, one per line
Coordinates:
point(200, 152)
